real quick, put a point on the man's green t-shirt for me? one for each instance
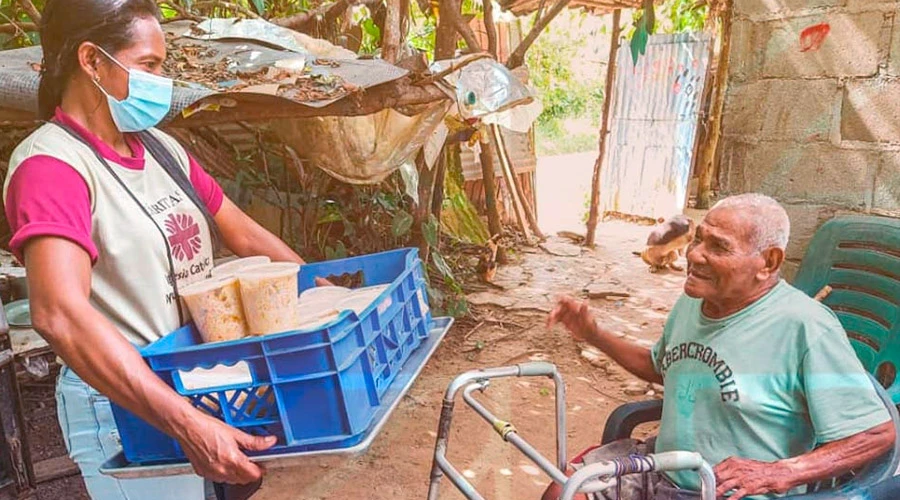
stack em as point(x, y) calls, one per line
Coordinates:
point(770, 382)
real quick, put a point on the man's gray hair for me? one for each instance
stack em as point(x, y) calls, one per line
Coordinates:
point(770, 222)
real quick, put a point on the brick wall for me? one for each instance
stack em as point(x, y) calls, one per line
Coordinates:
point(817, 129)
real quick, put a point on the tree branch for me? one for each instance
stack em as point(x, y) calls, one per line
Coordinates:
point(17, 28)
point(301, 22)
point(490, 27)
point(425, 7)
point(31, 10)
point(465, 31)
point(227, 5)
point(518, 56)
point(446, 34)
point(183, 13)
point(393, 32)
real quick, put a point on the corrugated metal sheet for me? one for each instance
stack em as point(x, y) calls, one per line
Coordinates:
point(656, 108)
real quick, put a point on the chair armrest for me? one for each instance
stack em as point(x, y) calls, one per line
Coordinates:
point(625, 418)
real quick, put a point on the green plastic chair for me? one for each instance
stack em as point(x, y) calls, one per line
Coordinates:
point(859, 258)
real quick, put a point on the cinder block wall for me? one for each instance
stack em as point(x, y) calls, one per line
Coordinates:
point(818, 128)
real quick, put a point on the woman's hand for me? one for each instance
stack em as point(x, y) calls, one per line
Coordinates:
point(576, 317)
point(92, 347)
point(216, 450)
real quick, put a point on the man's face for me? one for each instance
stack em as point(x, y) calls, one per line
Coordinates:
point(723, 267)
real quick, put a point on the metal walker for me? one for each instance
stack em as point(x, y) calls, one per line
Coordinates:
point(592, 478)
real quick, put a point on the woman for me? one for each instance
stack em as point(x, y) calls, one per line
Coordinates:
point(108, 236)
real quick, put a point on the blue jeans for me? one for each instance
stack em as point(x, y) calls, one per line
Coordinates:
point(91, 438)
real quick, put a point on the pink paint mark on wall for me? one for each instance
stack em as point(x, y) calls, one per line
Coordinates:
point(812, 38)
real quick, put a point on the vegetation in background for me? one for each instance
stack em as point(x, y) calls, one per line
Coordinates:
point(324, 219)
point(567, 98)
point(565, 95)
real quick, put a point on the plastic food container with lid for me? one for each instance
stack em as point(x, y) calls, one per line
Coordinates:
point(234, 266)
point(216, 307)
point(333, 294)
point(269, 295)
point(361, 298)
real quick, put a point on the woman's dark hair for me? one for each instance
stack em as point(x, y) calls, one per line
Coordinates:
point(66, 24)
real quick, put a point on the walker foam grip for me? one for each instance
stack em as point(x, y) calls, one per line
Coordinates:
point(537, 369)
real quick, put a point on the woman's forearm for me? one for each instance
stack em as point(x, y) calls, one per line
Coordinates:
point(59, 281)
point(92, 347)
point(262, 242)
point(246, 238)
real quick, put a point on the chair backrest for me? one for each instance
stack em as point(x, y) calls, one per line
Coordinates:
point(859, 258)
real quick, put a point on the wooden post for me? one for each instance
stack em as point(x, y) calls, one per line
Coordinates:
point(604, 131)
point(431, 180)
point(16, 470)
point(393, 30)
point(503, 154)
point(517, 58)
point(423, 207)
point(490, 28)
point(446, 31)
point(488, 179)
point(708, 163)
point(437, 196)
point(510, 178)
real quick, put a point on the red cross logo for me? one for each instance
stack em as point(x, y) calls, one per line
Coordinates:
point(184, 236)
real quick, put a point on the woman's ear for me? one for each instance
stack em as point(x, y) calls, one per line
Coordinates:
point(89, 60)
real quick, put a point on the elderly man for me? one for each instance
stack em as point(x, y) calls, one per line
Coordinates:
point(759, 378)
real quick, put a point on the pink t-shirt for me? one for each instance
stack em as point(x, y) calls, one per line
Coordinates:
point(47, 197)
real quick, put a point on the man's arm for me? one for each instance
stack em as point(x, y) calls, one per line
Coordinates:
point(749, 477)
point(578, 319)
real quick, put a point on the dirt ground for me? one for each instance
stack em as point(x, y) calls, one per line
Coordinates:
point(45, 438)
point(507, 327)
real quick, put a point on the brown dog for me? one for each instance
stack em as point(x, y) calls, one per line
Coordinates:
point(667, 242)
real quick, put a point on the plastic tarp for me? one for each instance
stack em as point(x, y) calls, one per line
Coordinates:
point(486, 90)
point(367, 149)
point(361, 149)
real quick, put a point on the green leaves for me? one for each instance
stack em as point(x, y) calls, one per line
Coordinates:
point(441, 265)
point(639, 40)
point(260, 6)
point(371, 35)
point(645, 26)
point(338, 251)
point(401, 224)
point(430, 231)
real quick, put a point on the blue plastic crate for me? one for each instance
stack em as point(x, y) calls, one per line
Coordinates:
point(313, 389)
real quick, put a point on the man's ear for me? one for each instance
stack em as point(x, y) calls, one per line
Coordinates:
point(774, 258)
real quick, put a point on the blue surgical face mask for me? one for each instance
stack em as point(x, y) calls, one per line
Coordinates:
point(149, 100)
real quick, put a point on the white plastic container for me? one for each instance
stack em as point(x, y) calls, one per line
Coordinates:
point(316, 322)
point(216, 307)
point(362, 298)
point(269, 295)
point(235, 266)
point(333, 294)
